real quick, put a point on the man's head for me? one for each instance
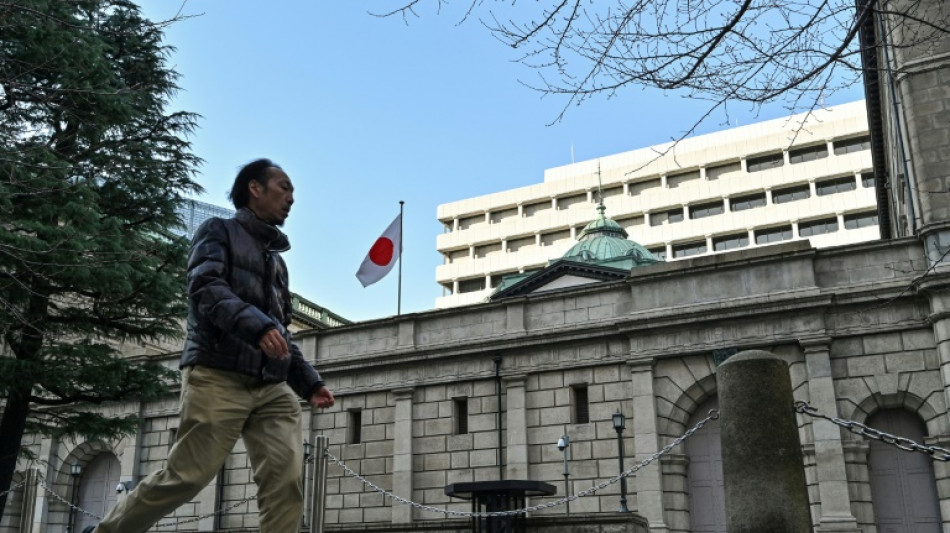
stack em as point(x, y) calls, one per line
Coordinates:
point(264, 188)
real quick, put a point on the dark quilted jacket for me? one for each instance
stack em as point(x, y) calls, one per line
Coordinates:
point(237, 291)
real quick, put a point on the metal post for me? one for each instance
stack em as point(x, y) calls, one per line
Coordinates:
point(562, 444)
point(75, 471)
point(618, 421)
point(318, 493)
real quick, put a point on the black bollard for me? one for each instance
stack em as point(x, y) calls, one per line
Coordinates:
point(762, 465)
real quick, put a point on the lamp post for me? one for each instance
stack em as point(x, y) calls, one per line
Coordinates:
point(307, 449)
point(75, 470)
point(562, 444)
point(618, 425)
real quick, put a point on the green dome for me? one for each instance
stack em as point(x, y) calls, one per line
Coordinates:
point(604, 241)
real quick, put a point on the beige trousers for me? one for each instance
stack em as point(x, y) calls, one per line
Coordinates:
point(217, 407)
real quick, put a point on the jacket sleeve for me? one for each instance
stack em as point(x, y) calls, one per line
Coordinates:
point(302, 377)
point(209, 290)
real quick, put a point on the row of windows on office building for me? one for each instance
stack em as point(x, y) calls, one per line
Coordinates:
point(701, 209)
point(752, 164)
point(720, 243)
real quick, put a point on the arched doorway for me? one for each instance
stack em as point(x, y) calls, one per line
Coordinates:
point(707, 505)
point(97, 493)
point(903, 489)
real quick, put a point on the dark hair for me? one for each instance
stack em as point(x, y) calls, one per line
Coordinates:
point(255, 170)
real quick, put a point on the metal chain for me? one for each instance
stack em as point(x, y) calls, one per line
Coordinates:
point(12, 488)
point(176, 522)
point(713, 415)
point(936, 452)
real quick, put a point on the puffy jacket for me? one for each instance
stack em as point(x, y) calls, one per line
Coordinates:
point(237, 291)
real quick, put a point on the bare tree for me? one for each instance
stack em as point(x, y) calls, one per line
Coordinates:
point(795, 52)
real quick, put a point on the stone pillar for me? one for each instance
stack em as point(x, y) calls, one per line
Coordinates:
point(940, 318)
point(649, 480)
point(836, 515)
point(49, 455)
point(762, 466)
point(402, 453)
point(517, 445)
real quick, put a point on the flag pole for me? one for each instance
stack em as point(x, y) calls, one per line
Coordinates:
point(399, 290)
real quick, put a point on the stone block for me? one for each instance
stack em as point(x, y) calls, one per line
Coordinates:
point(904, 361)
point(482, 458)
point(607, 374)
point(437, 461)
point(919, 339)
point(869, 365)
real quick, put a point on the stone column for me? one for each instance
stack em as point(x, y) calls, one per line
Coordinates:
point(762, 466)
point(49, 455)
point(836, 515)
point(649, 480)
point(402, 453)
point(517, 445)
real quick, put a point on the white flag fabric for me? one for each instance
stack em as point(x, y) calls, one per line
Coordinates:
point(383, 255)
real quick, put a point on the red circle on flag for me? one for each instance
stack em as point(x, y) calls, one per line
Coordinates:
point(382, 251)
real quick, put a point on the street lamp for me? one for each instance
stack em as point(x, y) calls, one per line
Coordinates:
point(75, 470)
point(562, 444)
point(307, 449)
point(618, 425)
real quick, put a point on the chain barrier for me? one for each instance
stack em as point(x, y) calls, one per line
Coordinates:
point(177, 522)
point(12, 488)
point(713, 415)
point(935, 452)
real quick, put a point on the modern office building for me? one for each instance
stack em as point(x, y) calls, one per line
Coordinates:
point(807, 176)
point(193, 213)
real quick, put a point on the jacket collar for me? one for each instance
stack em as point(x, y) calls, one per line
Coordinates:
point(272, 238)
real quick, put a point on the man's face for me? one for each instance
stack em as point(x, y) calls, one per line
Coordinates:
point(271, 202)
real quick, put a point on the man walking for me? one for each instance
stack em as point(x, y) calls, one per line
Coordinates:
point(240, 366)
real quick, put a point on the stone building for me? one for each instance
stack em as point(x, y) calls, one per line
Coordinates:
point(484, 392)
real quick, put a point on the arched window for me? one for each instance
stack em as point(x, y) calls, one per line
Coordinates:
point(707, 505)
point(97, 493)
point(903, 489)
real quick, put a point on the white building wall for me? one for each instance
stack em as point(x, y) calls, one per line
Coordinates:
point(486, 236)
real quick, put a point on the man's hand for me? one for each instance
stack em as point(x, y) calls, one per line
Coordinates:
point(274, 345)
point(322, 398)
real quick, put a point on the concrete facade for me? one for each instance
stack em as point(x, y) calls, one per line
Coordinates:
point(807, 176)
point(857, 335)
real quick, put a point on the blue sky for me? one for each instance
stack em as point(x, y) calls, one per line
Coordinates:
point(363, 112)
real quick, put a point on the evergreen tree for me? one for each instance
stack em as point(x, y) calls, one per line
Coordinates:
point(92, 169)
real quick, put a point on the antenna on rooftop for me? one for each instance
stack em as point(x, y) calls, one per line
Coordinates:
point(600, 185)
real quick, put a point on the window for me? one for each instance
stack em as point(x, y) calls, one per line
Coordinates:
point(716, 172)
point(817, 227)
point(706, 210)
point(750, 201)
point(834, 186)
point(503, 214)
point(446, 227)
point(658, 252)
point(486, 250)
point(581, 411)
point(810, 153)
point(517, 244)
point(354, 426)
point(630, 223)
point(777, 234)
point(676, 180)
point(636, 188)
point(467, 222)
point(460, 412)
point(497, 278)
point(456, 255)
point(607, 193)
point(729, 242)
point(860, 220)
point(867, 180)
point(688, 249)
point(666, 217)
point(471, 285)
point(534, 209)
point(764, 162)
point(555, 237)
point(856, 144)
point(569, 201)
point(790, 194)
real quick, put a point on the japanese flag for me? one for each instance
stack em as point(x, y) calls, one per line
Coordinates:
point(383, 255)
